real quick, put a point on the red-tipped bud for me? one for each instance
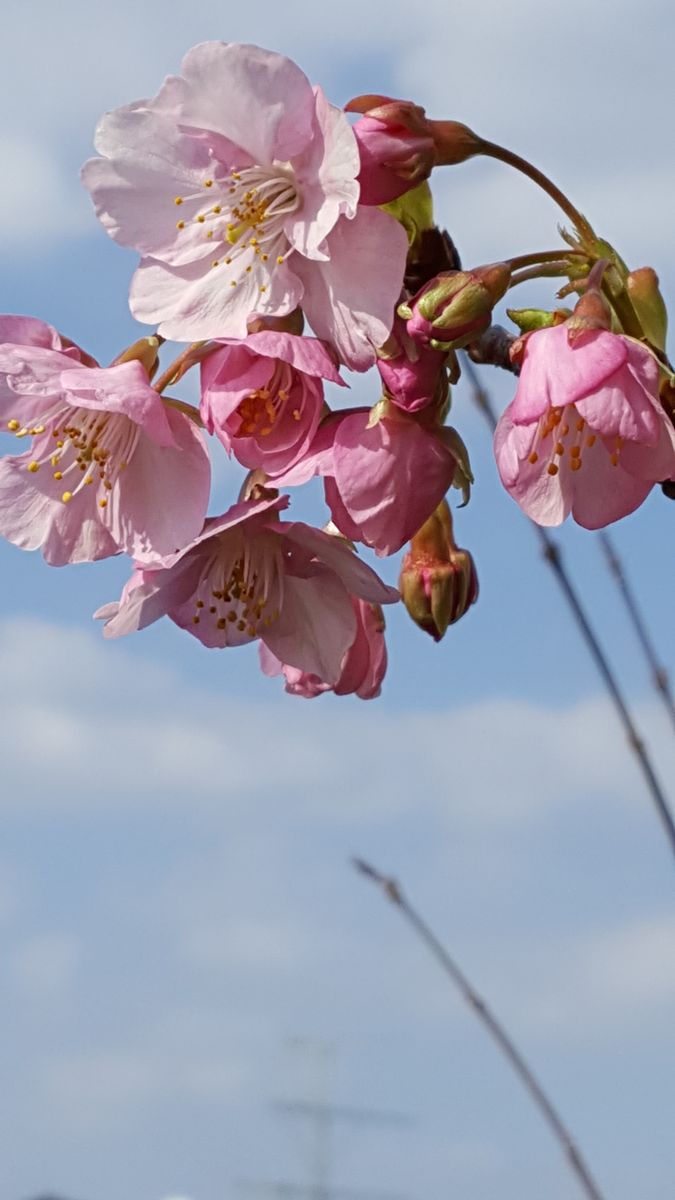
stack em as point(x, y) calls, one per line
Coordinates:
point(438, 581)
point(455, 307)
point(643, 289)
point(395, 145)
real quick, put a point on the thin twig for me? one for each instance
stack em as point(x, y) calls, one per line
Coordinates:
point(494, 1027)
point(658, 671)
point(552, 554)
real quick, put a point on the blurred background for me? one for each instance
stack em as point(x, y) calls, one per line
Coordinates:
point(198, 997)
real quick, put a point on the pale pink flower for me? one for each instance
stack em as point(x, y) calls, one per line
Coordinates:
point(363, 667)
point(263, 396)
point(249, 575)
point(237, 183)
point(383, 475)
point(110, 468)
point(586, 433)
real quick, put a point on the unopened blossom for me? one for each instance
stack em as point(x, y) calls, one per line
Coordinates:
point(396, 147)
point(238, 185)
point(384, 473)
point(455, 307)
point(412, 372)
point(263, 396)
point(586, 433)
point(363, 667)
point(438, 579)
point(250, 575)
point(110, 467)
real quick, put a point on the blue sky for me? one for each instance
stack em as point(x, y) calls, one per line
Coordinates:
point(175, 895)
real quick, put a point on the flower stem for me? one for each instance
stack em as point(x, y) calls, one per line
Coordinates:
point(492, 150)
point(180, 365)
point(546, 270)
point(543, 256)
point(490, 1022)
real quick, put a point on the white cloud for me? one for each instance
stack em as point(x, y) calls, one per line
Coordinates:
point(91, 711)
point(602, 984)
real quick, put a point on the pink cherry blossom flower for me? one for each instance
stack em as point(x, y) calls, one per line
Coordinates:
point(237, 183)
point(363, 667)
point(111, 467)
point(586, 433)
point(384, 474)
point(263, 396)
point(249, 575)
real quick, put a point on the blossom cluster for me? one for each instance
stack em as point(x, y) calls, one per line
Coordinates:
point(287, 243)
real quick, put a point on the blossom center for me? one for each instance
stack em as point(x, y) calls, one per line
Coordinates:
point(238, 594)
point(262, 408)
point(563, 438)
point(246, 223)
point(82, 447)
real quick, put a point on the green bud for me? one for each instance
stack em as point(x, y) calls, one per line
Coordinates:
point(643, 288)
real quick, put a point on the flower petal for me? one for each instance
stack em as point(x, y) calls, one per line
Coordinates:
point(349, 301)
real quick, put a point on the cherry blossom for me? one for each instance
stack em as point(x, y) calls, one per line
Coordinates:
point(249, 575)
point(263, 396)
point(585, 433)
point(111, 466)
point(238, 185)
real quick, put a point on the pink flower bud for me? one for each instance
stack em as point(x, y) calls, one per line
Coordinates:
point(413, 374)
point(396, 147)
point(455, 307)
point(438, 581)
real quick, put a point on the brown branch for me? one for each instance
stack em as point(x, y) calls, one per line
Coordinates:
point(491, 1024)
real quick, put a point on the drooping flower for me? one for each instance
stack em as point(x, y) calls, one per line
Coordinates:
point(111, 466)
point(586, 433)
point(249, 575)
point(238, 185)
point(263, 396)
point(363, 667)
point(384, 473)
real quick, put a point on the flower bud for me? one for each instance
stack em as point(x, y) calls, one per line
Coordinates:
point(413, 374)
point(456, 306)
point(529, 320)
point(643, 288)
point(438, 581)
point(395, 145)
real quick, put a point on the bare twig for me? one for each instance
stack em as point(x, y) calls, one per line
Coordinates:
point(489, 1021)
point(658, 671)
